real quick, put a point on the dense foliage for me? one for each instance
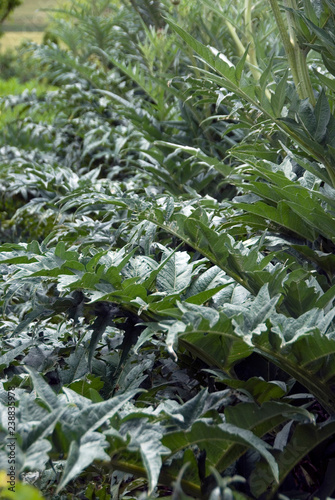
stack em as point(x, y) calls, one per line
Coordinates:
point(167, 256)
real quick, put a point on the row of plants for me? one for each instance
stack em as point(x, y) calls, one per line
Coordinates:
point(167, 253)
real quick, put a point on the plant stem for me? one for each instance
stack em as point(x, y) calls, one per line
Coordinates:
point(239, 45)
point(300, 56)
point(304, 77)
point(241, 49)
point(285, 40)
point(247, 14)
point(296, 57)
point(249, 34)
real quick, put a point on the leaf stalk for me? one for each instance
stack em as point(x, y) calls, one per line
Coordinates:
point(295, 55)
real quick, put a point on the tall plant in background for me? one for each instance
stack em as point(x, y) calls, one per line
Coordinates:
point(6, 7)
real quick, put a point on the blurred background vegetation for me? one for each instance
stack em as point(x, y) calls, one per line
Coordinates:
point(25, 22)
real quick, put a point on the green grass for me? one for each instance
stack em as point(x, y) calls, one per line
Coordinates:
point(13, 86)
point(13, 39)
